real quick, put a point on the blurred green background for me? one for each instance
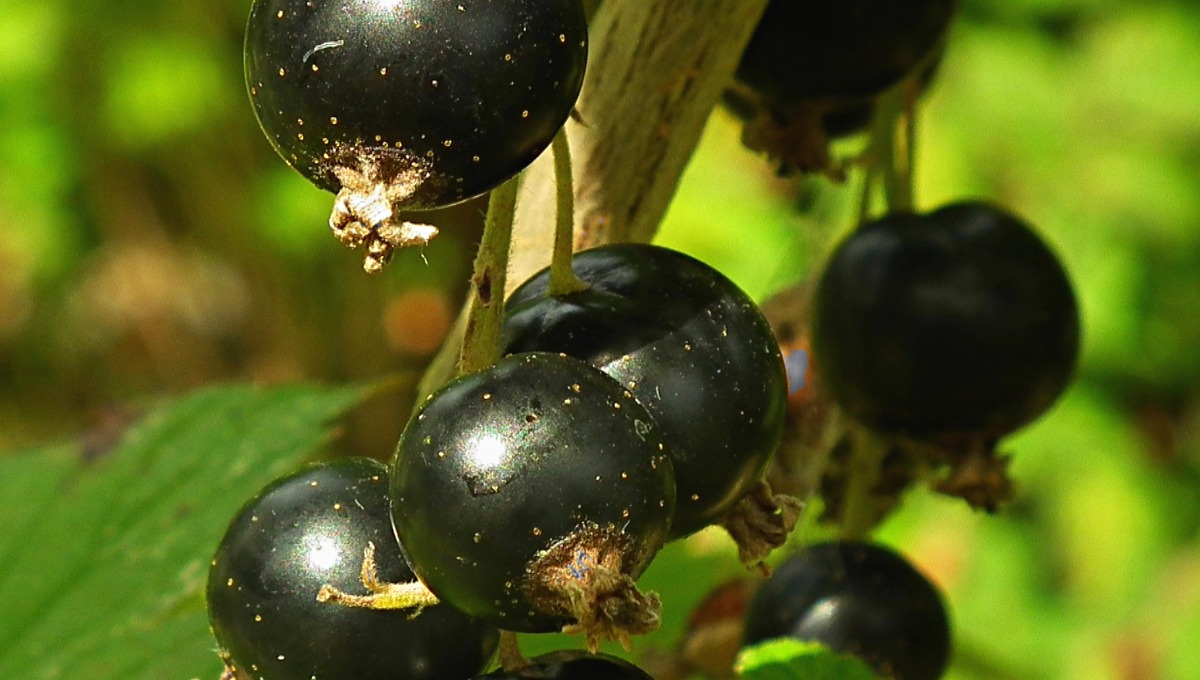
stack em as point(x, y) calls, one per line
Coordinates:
point(150, 243)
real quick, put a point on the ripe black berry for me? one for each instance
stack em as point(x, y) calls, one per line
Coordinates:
point(859, 599)
point(804, 50)
point(411, 105)
point(309, 529)
point(572, 665)
point(529, 492)
point(958, 323)
point(690, 345)
point(813, 71)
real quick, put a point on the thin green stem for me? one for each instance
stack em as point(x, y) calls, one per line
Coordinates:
point(380, 595)
point(864, 199)
point(562, 277)
point(485, 315)
point(859, 514)
point(911, 92)
point(885, 156)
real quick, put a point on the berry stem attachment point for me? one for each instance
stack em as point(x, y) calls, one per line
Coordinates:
point(562, 278)
point(485, 315)
point(380, 595)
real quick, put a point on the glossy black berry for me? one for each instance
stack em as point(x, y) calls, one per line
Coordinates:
point(434, 100)
point(689, 344)
point(307, 530)
point(572, 665)
point(956, 323)
point(859, 599)
point(517, 486)
point(805, 50)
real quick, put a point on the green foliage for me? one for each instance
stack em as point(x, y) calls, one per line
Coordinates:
point(124, 127)
point(167, 86)
point(792, 660)
point(106, 545)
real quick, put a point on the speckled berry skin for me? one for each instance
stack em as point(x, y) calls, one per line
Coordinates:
point(860, 599)
point(855, 48)
point(501, 465)
point(956, 324)
point(572, 665)
point(309, 529)
point(467, 91)
point(690, 345)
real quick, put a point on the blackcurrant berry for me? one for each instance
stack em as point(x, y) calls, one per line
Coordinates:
point(527, 493)
point(307, 530)
point(411, 104)
point(804, 50)
point(689, 344)
point(859, 599)
point(813, 71)
point(572, 665)
point(958, 323)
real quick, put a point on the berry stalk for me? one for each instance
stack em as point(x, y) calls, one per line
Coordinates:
point(858, 514)
point(562, 278)
point(382, 595)
point(892, 146)
point(481, 342)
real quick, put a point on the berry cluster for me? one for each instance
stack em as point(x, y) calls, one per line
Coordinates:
point(647, 400)
point(635, 411)
point(528, 496)
point(688, 344)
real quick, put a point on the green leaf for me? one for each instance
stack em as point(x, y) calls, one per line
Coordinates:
point(103, 554)
point(788, 659)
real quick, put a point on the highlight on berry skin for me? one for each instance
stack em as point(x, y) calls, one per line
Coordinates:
point(857, 598)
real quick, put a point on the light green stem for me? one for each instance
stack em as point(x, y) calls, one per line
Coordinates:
point(888, 132)
point(858, 507)
point(562, 277)
point(485, 315)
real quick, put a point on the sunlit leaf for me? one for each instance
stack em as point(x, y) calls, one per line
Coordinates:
point(104, 553)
